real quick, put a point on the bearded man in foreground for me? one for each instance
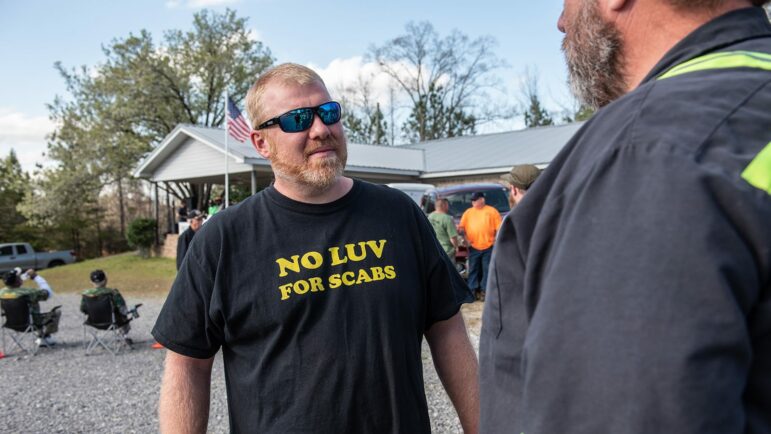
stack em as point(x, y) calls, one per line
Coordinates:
point(318, 290)
point(630, 290)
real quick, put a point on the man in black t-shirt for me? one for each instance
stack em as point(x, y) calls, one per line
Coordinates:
point(183, 242)
point(318, 290)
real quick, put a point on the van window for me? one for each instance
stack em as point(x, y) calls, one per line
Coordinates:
point(21, 249)
point(6, 251)
point(430, 203)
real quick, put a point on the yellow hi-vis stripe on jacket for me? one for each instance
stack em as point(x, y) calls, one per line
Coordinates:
point(758, 172)
point(728, 59)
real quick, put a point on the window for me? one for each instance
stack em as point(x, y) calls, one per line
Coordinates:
point(6, 251)
point(21, 249)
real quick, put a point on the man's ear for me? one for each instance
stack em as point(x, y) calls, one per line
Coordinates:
point(616, 5)
point(260, 143)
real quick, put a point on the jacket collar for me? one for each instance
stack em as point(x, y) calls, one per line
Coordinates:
point(726, 30)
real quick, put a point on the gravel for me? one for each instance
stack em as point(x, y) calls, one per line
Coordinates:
point(61, 390)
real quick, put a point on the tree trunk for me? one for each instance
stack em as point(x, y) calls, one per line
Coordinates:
point(122, 211)
point(99, 243)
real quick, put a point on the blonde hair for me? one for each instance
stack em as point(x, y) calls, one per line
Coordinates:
point(285, 73)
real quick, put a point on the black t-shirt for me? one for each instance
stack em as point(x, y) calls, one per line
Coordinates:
point(319, 310)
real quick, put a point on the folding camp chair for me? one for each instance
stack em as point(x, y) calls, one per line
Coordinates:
point(104, 326)
point(21, 325)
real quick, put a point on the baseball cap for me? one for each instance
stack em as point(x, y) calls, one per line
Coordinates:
point(477, 195)
point(194, 213)
point(98, 276)
point(522, 176)
point(11, 277)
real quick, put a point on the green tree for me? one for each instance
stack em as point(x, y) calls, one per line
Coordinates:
point(534, 113)
point(122, 107)
point(444, 78)
point(63, 204)
point(579, 114)
point(14, 183)
point(431, 119)
point(141, 234)
point(363, 119)
point(117, 110)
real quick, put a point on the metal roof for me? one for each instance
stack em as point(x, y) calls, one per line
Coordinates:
point(361, 158)
point(468, 155)
point(494, 151)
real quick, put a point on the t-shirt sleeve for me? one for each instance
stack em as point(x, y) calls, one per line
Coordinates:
point(187, 323)
point(445, 289)
point(451, 231)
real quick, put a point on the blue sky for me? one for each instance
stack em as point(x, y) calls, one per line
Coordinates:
point(35, 34)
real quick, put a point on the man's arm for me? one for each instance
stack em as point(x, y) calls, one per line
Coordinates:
point(184, 404)
point(452, 232)
point(457, 367)
point(41, 283)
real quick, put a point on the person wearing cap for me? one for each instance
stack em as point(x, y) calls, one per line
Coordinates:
point(520, 179)
point(196, 220)
point(99, 279)
point(480, 224)
point(13, 289)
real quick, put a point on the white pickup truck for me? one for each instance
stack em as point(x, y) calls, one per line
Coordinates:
point(22, 255)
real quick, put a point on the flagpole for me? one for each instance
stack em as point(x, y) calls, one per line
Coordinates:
point(227, 151)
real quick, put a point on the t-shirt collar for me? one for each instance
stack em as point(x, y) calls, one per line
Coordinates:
point(312, 208)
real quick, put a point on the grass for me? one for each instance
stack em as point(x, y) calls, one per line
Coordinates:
point(127, 272)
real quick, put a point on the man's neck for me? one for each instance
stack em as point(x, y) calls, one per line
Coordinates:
point(305, 194)
point(652, 30)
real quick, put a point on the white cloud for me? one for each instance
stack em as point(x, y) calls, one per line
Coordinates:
point(24, 134)
point(254, 35)
point(342, 73)
point(172, 4)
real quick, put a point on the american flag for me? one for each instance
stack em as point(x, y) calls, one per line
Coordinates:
point(237, 126)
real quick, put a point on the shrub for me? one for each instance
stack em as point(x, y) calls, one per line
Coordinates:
point(141, 234)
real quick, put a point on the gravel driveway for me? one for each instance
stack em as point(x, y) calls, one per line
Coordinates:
point(62, 390)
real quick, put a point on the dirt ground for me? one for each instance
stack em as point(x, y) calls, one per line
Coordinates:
point(472, 313)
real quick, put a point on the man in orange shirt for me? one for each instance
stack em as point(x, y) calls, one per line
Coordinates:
point(480, 224)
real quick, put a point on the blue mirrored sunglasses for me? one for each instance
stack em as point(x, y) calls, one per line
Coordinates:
point(301, 119)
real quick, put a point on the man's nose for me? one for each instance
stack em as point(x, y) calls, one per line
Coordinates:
point(561, 22)
point(318, 129)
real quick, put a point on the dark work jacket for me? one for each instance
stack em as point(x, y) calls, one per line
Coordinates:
point(183, 242)
point(630, 291)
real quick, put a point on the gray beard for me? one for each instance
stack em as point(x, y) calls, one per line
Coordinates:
point(594, 58)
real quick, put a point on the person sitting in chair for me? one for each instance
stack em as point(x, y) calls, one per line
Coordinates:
point(99, 279)
point(49, 321)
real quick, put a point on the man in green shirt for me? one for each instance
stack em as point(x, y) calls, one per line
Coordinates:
point(444, 227)
point(13, 289)
point(99, 279)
